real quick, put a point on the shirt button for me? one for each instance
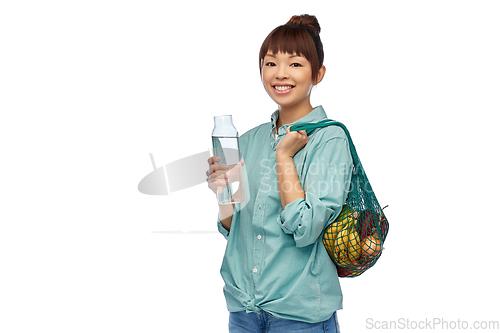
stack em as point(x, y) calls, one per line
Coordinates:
point(259, 237)
point(260, 207)
point(255, 270)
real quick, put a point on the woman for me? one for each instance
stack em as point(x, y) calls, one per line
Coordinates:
point(278, 276)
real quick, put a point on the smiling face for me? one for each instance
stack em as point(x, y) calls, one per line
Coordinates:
point(287, 79)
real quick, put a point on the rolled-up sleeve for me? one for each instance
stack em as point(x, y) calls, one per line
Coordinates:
point(326, 185)
point(221, 229)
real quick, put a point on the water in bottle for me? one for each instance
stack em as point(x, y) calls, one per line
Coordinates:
point(226, 146)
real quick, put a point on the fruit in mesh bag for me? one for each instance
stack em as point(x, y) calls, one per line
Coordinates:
point(370, 219)
point(333, 229)
point(343, 272)
point(347, 245)
point(331, 234)
point(339, 249)
point(354, 245)
point(371, 245)
point(352, 255)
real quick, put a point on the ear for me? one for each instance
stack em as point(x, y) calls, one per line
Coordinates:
point(321, 74)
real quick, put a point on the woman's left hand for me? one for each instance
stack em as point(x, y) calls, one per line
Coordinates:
point(292, 143)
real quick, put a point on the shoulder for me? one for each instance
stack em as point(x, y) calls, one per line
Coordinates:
point(329, 143)
point(330, 134)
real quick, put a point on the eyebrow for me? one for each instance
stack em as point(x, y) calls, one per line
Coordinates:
point(292, 56)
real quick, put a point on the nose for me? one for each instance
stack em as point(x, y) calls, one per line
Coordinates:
point(281, 73)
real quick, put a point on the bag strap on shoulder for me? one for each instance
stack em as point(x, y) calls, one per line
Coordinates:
point(309, 127)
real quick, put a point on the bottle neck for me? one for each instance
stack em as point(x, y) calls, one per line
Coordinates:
point(223, 127)
point(223, 121)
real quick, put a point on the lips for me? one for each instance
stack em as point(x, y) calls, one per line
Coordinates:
point(283, 89)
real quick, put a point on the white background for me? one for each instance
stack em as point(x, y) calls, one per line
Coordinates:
point(89, 88)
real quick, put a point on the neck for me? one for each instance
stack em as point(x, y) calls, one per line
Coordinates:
point(290, 114)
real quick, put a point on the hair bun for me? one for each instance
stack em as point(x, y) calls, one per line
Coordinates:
point(308, 20)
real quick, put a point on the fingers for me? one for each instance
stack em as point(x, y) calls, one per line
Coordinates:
point(213, 168)
point(217, 171)
point(219, 175)
point(217, 185)
point(213, 159)
point(302, 132)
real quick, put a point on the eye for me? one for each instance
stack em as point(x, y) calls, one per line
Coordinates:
point(270, 64)
point(296, 64)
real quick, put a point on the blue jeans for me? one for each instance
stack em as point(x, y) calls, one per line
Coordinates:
point(242, 322)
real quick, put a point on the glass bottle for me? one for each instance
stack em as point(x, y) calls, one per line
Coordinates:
point(226, 146)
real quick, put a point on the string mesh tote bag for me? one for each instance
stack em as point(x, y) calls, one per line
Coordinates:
point(355, 239)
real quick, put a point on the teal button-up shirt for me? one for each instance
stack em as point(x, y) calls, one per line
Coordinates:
point(275, 259)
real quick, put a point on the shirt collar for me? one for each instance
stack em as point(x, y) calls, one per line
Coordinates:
point(315, 115)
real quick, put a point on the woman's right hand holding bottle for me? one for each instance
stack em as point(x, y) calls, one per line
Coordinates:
point(217, 175)
point(220, 175)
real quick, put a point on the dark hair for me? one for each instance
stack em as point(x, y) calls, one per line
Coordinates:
point(300, 35)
